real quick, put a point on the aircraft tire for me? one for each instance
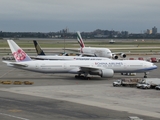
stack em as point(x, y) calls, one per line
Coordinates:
point(145, 76)
point(76, 76)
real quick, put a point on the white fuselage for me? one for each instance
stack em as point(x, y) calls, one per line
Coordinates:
point(118, 66)
point(99, 52)
point(45, 57)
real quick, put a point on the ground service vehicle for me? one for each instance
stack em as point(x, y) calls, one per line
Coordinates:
point(28, 83)
point(139, 85)
point(153, 82)
point(127, 82)
point(140, 58)
point(17, 82)
point(134, 118)
point(153, 59)
point(131, 58)
point(146, 86)
point(8, 58)
point(157, 87)
point(6, 82)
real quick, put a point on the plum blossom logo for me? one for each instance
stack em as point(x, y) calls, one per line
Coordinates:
point(19, 55)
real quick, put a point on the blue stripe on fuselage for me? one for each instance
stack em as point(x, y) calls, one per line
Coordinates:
point(146, 69)
point(138, 70)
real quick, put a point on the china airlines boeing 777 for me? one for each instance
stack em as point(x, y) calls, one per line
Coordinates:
point(103, 68)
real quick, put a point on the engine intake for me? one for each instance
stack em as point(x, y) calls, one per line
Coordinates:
point(114, 56)
point(123, 55)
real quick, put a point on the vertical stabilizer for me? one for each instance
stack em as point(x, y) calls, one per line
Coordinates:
point(17, 52)
point(38, 48)
point(80, 40)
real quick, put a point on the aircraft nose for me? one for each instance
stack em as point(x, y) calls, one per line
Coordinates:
point(109, 55)
point(155, 66)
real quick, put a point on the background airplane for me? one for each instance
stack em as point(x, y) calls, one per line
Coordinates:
point(94, 51)
point(103, 68)
point(91, 51)
point(42, 56)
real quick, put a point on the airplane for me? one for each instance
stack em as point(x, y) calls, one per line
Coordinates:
point(103, 68)
point(42, 56)
point(99, 52)
point(94, 51)
point(90, 51)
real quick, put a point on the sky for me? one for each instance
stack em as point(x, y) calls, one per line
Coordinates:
point(135, 16)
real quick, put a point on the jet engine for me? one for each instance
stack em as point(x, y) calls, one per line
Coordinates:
point(114, 56)
point(106, 73)
point(123, 55)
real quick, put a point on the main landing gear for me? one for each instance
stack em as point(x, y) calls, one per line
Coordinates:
point(82, 77)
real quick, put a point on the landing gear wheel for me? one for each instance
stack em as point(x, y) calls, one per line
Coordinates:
point(79, 76)
point(76, 76)
point(145, 76)
point(82, 77)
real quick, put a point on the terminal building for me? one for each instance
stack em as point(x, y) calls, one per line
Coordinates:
point(154, 30)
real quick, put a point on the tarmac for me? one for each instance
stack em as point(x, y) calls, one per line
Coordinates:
point(61, 96)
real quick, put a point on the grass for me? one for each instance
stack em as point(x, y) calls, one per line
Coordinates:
point(88, 44)
point(129, 44)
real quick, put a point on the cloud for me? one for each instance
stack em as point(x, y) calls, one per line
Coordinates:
point(97, 11)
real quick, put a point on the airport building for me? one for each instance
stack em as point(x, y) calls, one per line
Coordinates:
point(154, 30)
point(149, 31)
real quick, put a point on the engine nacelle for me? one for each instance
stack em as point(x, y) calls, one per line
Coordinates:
point(123, 55)
point(107, 73)
point(114, 56)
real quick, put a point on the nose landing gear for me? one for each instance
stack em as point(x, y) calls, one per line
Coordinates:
point(145, 75)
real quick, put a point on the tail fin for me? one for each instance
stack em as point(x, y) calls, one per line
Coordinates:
point(17, 52)
point(38, 48)
point(80, 40)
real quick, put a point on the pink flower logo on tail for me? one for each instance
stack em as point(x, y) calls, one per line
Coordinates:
point(19, 55)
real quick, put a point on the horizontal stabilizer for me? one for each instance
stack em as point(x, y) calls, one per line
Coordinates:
point(15, 64)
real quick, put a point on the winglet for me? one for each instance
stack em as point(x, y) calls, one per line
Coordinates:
point(38, 48)
point(80, 40)
point(17, 52)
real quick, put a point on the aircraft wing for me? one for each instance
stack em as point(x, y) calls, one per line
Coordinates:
point(15, 64)
point(82, 54)
point(119, 53)
point(86, 54)
point(37, 58)
point(74, 50)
